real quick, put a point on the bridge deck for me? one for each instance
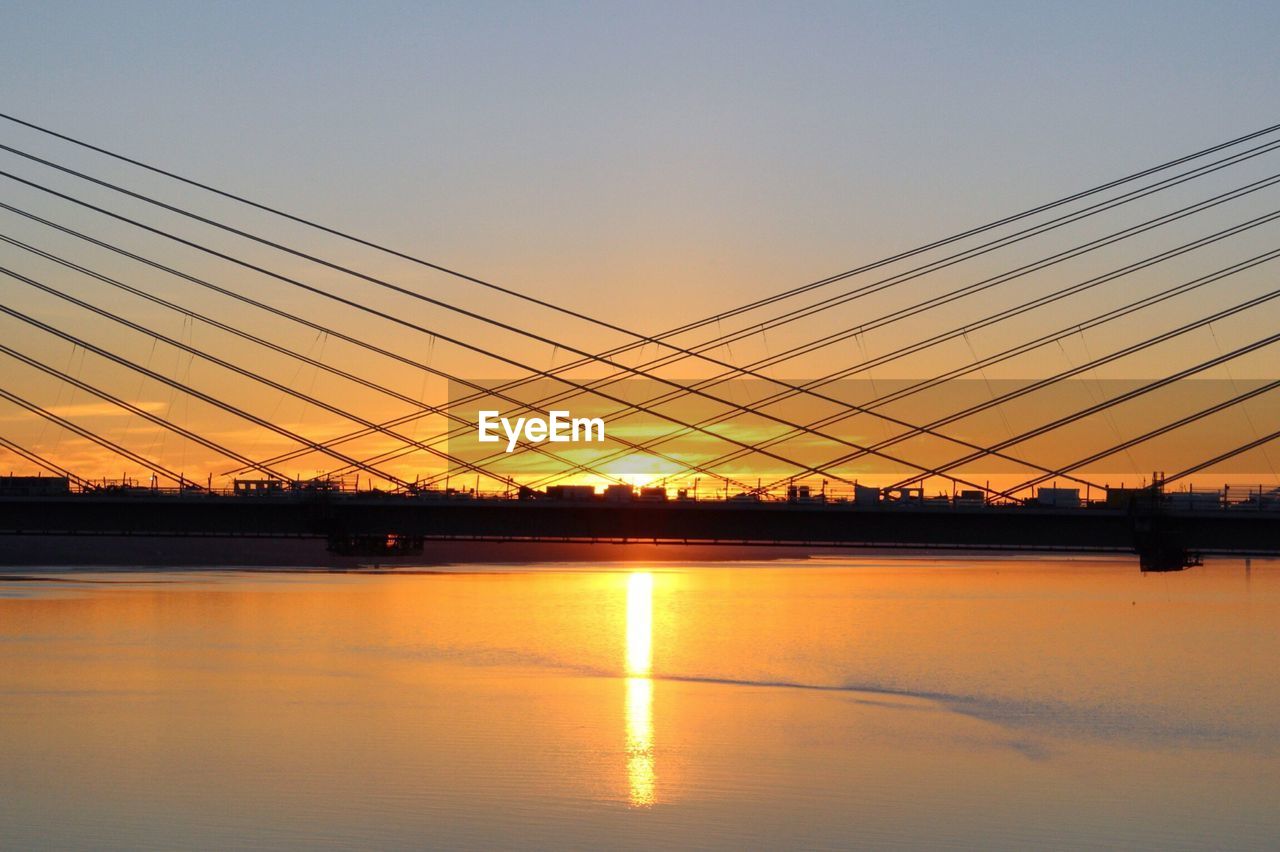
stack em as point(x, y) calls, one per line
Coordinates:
point(346, 517)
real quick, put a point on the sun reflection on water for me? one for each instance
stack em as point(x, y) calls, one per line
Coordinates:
point(639, 624)
point(641, 778)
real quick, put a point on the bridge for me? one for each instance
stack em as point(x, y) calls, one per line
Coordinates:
point(156, 324)
point(1166, 537)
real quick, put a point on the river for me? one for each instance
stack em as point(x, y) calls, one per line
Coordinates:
point(822, 703)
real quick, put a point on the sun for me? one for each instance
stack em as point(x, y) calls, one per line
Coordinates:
point(641, 480)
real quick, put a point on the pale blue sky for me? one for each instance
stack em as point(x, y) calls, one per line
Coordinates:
point(716, 149)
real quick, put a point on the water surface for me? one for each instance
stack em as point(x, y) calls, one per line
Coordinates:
point(821, 703)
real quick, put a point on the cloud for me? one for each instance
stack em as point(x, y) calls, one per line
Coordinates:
point(103, 409)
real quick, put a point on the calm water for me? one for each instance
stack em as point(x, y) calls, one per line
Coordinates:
point(832, 703)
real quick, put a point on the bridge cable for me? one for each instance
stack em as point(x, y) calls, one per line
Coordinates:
point(1187, 420)
point(41, 462)
point(226, 365)
point(1125, 397)
point(482, 391)
point(1008, 313)
point(454, 340)
point(106, 443)
point(369, 278)
point(255, 339)
point(751, 369)
point(191, 392)
point(706, 321)
point(1229, 454)
point(1096, 362)
point(829, 378)
point(937, 301)
point(396, 288)
point(1062, 333)
point(133, 409)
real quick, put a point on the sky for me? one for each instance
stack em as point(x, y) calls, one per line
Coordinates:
point(653, 162)
point(736, 148)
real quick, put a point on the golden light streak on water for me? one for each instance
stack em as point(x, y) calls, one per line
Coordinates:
point(641, 777)
point(639, 624)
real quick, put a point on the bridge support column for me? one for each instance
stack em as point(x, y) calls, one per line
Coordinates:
point(346, 544)
point(1160, 556)
point(1161, 547)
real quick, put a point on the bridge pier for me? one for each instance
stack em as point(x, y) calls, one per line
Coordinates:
point(1163, 556)
point(346, 544)
point(1160, 546)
